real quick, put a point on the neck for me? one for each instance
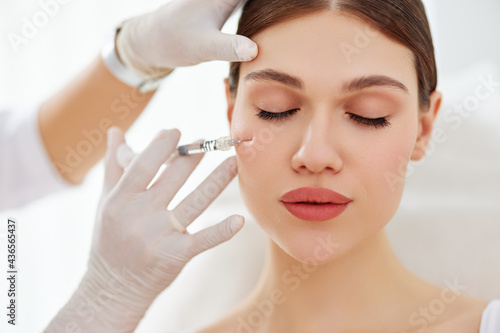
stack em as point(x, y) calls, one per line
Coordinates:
point(364, 286)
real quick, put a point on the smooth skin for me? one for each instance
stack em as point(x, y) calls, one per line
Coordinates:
point(339, 275)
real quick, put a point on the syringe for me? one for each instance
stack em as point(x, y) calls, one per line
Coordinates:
point(223, 143)
point(125, 155)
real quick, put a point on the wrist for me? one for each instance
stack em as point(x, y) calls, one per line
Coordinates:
point(126, 50)
point(95, 308)
point(107, 300)
point(123, 70)
point(123, 291)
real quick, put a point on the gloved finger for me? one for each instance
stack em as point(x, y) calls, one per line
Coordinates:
point(197, 201)
point(146, 165)
point(227, 47)
point(113, 171)
point(124, 155)
point(173, 177)
point(216, 234)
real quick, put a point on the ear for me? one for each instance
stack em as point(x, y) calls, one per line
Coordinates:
point(425, 126)
point(230, 101)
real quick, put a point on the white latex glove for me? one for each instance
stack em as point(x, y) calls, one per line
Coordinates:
point(139, 246)
point(181, 33)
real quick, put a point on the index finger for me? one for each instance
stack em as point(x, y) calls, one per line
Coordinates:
point(145, 165)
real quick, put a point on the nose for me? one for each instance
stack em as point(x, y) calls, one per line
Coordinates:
point(319, 149)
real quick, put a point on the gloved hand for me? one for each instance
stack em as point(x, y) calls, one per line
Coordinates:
point(181, 33)
point(139, 246)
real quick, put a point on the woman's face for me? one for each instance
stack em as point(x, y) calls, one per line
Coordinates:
point(320, 78)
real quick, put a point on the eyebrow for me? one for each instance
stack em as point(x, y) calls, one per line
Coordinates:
point(273, 75)
point(372, 81)
point(348, 87)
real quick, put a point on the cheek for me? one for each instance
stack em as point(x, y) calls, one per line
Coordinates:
point(262, 162)
point(265, 142)
point(382, 169)
point(397, 151)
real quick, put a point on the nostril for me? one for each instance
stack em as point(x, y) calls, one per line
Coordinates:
point(317, 160)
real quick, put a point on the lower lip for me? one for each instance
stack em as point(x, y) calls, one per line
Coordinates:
point(311, 212)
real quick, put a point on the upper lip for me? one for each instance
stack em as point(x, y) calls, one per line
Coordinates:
point(314, 195)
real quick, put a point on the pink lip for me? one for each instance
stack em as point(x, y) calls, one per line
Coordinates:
point(314, 204)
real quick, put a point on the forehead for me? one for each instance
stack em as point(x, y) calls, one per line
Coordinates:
point(326, 49)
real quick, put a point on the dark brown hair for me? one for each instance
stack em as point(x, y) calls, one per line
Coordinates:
point(404, 21)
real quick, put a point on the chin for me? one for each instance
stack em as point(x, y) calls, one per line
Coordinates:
point(311, 247)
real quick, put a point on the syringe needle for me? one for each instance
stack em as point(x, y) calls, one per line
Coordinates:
point(125, 155)
point(222, 143)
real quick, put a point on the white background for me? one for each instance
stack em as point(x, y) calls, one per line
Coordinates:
point(447, 227)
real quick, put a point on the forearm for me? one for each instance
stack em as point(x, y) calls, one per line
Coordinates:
point(73, 123)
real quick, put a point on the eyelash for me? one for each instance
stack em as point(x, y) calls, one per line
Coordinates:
point(374, 122)
point(266, 115)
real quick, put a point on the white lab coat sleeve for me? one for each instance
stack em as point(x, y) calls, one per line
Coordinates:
point(26, 171)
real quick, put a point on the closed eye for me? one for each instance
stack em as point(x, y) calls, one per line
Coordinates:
point(375, 122)
point(266, 115)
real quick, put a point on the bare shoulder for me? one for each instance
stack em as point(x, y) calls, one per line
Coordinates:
point(465, 316)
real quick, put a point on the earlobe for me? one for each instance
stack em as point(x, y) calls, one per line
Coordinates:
point(425, 126)
point(230, 101)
